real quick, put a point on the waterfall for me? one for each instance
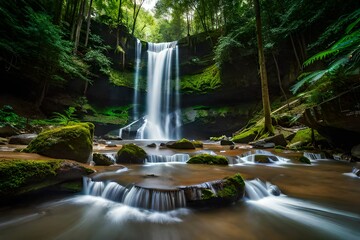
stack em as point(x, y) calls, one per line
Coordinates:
point(136, 80)
point(251, 157)
point(135, 196)
point(313, 156)
point(178, 158)
point(163, 99)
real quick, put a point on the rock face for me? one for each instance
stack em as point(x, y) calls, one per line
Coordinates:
point(208, 159)
point(181, 144)
point(69, 142)
point(130, 153)
point(101, 160)
point(25, 176)
point(22, 139)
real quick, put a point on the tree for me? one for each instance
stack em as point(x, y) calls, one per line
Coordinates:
point(263, 75)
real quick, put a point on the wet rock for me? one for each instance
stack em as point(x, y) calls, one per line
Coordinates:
point(356, 171)
point(208, 159)
point(69, 142)
point(7, 131)
point(130, 153)
point(277, 140)
point(111, 145)
point(226, 142)
point(263, 144)
point(151, 145)
point(22, 139)
point(198, 144)
point(102, 141)
point(181, 144)
point(304, 159)
point(101, 160)
point(215, 194)
point(259, 158)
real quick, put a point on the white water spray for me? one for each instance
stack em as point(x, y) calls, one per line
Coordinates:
point(136, 80)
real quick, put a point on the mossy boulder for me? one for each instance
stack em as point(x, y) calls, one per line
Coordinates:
point(303, 138)
point(19, 176)
point(130, 153)
point(304, 159)
point(198, 144)
point(208, 159)
point(181, 144)
point(223, 192)
point(249, 134)
point(101, 160)
point(69, 142)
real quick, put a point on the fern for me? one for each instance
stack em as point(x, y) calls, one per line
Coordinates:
point(66, 118)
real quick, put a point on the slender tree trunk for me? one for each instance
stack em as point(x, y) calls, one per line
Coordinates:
point(78, 25)
point(136, 13)
point(72, 22)
point(58, 11)
point(88, 24)
point(295, 52)
point(264, 83)
point(119, 18)
point(279, 80)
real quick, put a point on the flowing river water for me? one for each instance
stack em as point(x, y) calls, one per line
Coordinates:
point(317, 201)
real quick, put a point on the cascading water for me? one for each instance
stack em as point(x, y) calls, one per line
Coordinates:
point(176, 158)
point(136, 80)
point(163, 100)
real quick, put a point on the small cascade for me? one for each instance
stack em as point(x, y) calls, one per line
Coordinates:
point(256, 189)
point(135, 196)
point(111, 156)
point(129, 131)
point(136, 80)
point(195, 191)
point(176, 158)
point(313, 156)
point(260, 156)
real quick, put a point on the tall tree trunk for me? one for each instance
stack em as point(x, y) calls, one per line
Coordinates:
point(88, 24)
point(58, 11)
point(136, 13)
point(279, 79)
point(264, 83)
point(78, 25)
point(119, 18)
point(72, 21)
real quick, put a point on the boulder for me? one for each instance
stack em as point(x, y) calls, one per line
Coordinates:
point(22, 139)
point(215, 194)
point(276, 140)
point(101, 160)
point(7, 131)
point(69, 142)
point(151, 145)
point(226, 142)
point(181, 144)
point(259, 158)
point(130, 153)
point(198, 144)
point(208, 159)
point(304, 159)
point(263, 144)
point(19, 176)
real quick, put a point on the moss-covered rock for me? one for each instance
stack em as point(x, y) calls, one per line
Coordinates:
point(101, 159)
point(222, 192)
point(304, 159)
point(69, 142)
point(181, 144)
point(248, 135)
point(130, 153)
point(215, 139)
point(18, 176)
point(259, 158)
point(303, 137)
point(198, 144)
point(208, 159)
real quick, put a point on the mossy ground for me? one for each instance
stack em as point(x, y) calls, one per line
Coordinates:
point(208, 159)
point(16, 175)
point(304, 136)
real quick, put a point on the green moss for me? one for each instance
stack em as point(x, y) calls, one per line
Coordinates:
point(197, 143)
point(304, 160)
point(304, 136)
point(208, 159)
point(125, 79)
point(207, 81)
point(223, 137)
point(232, 187)
point(101, 159)
point(16, 175)
point(181, 144)
point(74, 186)
point(207, 194)
point(249, 134)
point(69, 142)
point(131, 153)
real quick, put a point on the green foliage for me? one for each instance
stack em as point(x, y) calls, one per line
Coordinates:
point(9, 117)
point(66, 118)
point(208, 159)
point(112, 115)
point(18, 174)
point(223, 137)
point(344, 62)
point(125, 79)
point(207, 81)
